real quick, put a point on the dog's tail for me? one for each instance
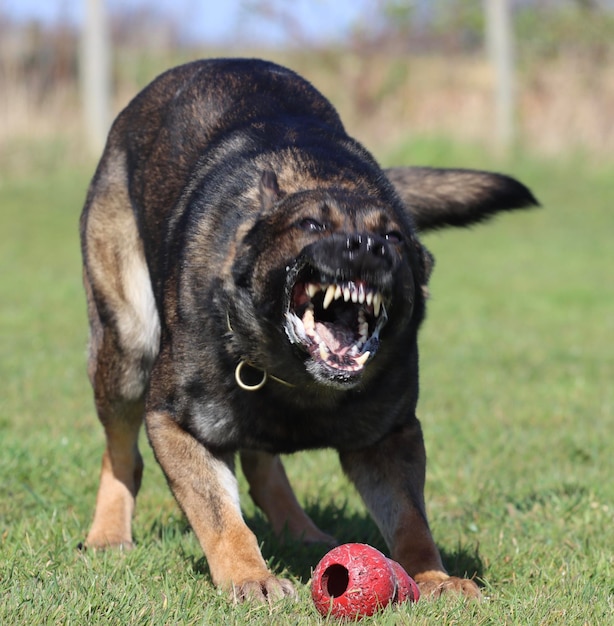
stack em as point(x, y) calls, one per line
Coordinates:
point(455, 197)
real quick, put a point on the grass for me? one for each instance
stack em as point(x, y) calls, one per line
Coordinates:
point(517, 405)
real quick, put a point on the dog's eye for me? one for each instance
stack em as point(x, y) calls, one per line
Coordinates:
point(311, 225)
point(394, 237)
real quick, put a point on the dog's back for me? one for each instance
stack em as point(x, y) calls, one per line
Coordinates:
point(188, 109)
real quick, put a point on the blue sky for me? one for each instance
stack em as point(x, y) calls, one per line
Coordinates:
point(213, 20)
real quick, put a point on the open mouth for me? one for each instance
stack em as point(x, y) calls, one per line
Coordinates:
point(336, 322)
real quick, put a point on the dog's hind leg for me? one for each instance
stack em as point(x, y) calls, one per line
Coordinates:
point(120, 476)
point(271, 491)
point(124, 339)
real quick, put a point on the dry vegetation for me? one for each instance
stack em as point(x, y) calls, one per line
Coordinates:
point(385, 95)
point(564, 104)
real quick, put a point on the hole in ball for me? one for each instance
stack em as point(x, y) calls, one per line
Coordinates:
point(335, 580)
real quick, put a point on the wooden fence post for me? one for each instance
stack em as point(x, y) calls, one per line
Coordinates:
point(95, 73)
point(500, 43)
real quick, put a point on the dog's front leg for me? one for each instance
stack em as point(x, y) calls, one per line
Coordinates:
point(206, 489)
point(390, 478)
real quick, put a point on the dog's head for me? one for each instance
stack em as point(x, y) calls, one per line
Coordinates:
point(333, 275)
point(329, 280)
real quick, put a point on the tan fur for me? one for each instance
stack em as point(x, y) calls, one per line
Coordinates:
point(116, 266)
point(120, 480)
point(396, 505)
point(206, 490)
point(435, 583)
point(117, 274)
point(271, 491)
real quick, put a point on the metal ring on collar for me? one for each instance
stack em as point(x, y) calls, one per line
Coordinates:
point(245, 387)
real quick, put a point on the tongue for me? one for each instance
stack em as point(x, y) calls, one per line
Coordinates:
point(337, 338)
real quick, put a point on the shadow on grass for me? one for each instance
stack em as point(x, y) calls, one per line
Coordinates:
point(299, 559)
point(464, 562)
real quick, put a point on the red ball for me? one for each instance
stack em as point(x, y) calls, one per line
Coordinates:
point(407, 589)
point(353, 580)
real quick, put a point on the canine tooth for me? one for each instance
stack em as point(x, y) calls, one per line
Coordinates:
point(346, 293)
point(308, 319)
point(338, 292)
point(377, 303)
point(328, 298)
point(312, 289)
point(323, 352)
point(369, 298)
point(363, 358)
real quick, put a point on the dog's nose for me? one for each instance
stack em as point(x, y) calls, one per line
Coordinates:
point(359, 245)
point(363, 252)
point(356, 255)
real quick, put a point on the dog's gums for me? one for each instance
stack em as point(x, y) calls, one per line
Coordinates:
point(337, 323)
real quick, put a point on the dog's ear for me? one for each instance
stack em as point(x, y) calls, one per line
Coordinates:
point(454, 197)
point(269, 190)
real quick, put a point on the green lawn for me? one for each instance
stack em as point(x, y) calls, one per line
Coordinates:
point(517, 405)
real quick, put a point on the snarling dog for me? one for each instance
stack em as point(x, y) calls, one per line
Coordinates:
point(255, 285)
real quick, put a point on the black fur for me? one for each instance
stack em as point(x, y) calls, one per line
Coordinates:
point(439, 198)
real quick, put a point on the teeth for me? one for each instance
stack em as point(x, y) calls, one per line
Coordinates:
point(377, 303)
point(361, 293)
point(357, 293)
point(363, 358)
point(304, 329)
point(308, 320)
point(363, 327)
point(328, 297)
point(312, 289)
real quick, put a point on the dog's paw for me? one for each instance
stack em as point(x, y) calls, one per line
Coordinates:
point(319, 537)
point(433, 587)
point(107, 541)
point(267, 590)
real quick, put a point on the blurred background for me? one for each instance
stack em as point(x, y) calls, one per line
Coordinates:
point(517, 400)
point(534, 74)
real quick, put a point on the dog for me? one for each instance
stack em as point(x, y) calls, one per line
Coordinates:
point(255, 284)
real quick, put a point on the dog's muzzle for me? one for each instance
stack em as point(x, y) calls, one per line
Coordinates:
point(338, 292)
